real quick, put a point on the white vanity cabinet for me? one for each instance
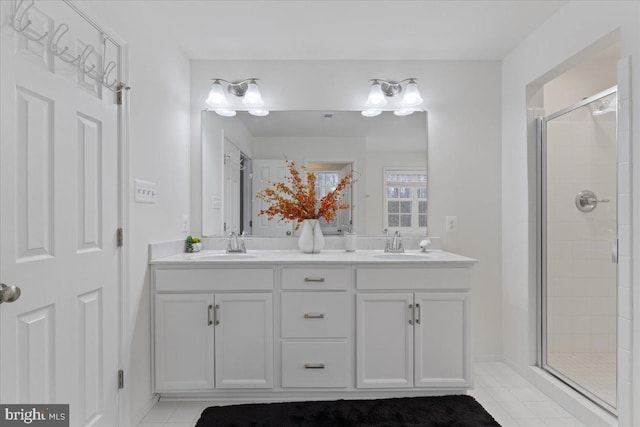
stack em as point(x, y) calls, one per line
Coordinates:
point(315, 326)
point(311, 327)
point(207, 337)
point(413, 339)
point(184, 342)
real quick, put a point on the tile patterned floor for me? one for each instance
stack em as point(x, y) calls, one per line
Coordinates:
point(508, 397)
point(594, 371)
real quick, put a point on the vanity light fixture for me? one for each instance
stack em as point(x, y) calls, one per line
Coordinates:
point(246, 89)
point(382, 89)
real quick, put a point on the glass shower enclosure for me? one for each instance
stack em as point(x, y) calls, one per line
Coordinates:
point(578, 245)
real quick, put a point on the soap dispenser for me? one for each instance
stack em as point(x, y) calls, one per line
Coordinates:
point(349, 239)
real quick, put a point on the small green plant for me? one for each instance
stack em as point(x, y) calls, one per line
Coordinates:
point(190, 241)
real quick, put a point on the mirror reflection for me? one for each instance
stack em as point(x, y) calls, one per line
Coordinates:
point(243, 154)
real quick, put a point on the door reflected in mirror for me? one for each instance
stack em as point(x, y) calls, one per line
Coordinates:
point(243, 154)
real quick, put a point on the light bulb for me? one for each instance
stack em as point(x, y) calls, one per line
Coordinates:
point(259, 112)
point(376, 97)
point(225, 113)
point(216, 97)
point(252, 97)
point(411, 96)
point(371, 112)
point(404, 111)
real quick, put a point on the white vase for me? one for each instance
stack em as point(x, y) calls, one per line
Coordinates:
point(311, 240)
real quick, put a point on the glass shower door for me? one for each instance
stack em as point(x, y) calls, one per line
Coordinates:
point(579, 232)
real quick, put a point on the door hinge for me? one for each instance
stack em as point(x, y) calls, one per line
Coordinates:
point(120, 379)
point(120, 92)
point(119, 237)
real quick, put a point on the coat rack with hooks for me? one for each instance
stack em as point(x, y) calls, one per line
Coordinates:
point(22, 24)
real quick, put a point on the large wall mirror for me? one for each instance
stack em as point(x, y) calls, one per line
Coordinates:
point(242, 154)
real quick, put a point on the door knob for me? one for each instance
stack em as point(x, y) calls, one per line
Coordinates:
point(9, 293)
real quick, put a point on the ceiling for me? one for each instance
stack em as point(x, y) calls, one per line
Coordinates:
point(334, 29)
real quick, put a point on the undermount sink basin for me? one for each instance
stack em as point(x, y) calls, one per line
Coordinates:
point(209, 257)
point(405, 256)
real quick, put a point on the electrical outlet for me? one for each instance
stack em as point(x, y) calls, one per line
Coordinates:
point(145, 191)
point(451, 224)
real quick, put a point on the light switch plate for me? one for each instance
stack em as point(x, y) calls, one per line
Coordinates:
point(145, 191)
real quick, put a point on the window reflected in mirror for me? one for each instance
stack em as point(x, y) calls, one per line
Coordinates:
point(242, 155)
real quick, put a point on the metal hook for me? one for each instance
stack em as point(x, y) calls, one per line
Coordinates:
point(19, 25)
point(107, 72)
point(18, 16)
point(60, 31)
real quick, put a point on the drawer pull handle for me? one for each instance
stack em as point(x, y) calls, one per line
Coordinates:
point(314, 366)
point(412, 314)
point(216, 309)
point(314, 315)
point(314, 279)
point(209, 310)
point(418, 315)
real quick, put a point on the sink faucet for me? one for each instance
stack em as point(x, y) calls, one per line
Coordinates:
point(235, 245)
point(394, 245)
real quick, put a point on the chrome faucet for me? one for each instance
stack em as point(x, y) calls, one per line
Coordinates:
point(394, 244)
point(235, 245)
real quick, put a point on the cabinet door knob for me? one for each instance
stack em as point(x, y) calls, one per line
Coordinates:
point(418, 314)
point(209, 310)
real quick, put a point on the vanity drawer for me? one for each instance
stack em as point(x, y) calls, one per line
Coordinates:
point(315, 364)
point(315, 314)
point(413, 278)
point(213, 279)
point(316, 278)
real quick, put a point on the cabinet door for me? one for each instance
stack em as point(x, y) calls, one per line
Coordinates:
point(384, 340)
point(183, 342)
point(244, 340)
point(442, 354)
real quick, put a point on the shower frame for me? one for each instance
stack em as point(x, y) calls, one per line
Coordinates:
point(541, 248)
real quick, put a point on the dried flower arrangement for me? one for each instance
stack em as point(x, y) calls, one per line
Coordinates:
point(295, 199)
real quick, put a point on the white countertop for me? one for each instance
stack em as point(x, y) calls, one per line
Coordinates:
point(325, 257)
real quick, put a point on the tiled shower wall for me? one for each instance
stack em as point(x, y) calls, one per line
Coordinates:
point(581, 278)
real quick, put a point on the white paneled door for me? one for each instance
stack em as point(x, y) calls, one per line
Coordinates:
point(58, 218)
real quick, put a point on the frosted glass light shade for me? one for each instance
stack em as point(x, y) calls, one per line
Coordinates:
point(411, 96)
point(259, 112)
point(252, 97)
point(216, 98)
point(225, 113)
point(376, 97)
point(404, 111)
point(371, 112)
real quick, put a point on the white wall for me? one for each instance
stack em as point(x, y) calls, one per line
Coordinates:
point(159, 152)
point(463, 101)
point(553, 48)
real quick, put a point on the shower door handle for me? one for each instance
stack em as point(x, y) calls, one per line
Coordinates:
point(614, 251)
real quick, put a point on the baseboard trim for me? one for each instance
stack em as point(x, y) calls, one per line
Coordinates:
point(489, 358)
point(231, 396)
point(145, 409)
